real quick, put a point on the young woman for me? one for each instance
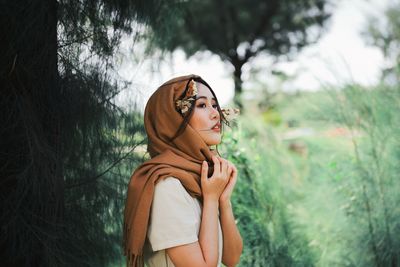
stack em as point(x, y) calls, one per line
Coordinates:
point(178, 210)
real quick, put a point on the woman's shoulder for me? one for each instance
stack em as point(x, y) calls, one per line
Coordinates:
point(169, 185)
point(172, 189)
point(169, 182)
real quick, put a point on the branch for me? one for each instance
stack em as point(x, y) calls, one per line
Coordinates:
point(262, 26)
point(223, 20)
point(233, 13)
point(93, 179)
point(75, 41)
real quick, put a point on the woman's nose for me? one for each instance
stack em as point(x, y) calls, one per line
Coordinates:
point(214, 113)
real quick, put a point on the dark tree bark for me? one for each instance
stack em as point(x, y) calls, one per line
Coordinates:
point(31, 181)
point(237, 75)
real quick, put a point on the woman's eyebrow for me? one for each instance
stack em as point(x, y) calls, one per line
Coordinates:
point(200, 97)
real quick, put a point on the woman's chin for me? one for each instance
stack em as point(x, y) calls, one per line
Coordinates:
point(213, 142)
point(211, 139)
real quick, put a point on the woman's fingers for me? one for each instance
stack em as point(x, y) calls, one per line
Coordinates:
point(224, 167)
point(234, 170)
point(204, 171)
point(232, 176)
point(217, 166)
point(230, 170)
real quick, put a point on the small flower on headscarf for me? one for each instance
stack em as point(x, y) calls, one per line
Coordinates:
point(184, 104)
point(192, 89)
point(230, 113)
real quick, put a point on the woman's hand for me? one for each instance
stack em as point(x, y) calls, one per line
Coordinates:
point(214, 186)
point(227, 193)
point(204, 252)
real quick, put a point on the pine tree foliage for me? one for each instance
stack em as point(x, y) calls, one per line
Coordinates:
point(66, 148)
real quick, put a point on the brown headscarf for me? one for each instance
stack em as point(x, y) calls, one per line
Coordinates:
point(180, 158)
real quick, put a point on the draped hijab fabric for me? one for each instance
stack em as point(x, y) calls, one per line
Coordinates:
point(180, 158)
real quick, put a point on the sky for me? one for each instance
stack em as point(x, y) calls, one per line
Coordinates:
point(341, 55)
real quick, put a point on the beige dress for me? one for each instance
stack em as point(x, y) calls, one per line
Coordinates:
point(175, 220)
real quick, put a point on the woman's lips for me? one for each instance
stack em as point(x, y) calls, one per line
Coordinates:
point(217, 127)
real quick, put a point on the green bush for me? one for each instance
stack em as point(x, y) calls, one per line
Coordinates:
point(271, 237)
point(374, 115)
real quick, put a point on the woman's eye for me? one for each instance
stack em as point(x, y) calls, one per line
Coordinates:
point(204, 105)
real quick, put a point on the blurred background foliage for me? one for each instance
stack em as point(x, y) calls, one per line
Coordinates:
point(238, 31)
point(318, 171)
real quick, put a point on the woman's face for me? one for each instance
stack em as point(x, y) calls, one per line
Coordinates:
point(206, 119)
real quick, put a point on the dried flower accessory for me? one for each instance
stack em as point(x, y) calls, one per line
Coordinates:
point(184, 104)
point(230, 113)
point(192, 89)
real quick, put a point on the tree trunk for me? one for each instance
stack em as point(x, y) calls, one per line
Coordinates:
point(237, 75)
point(31, 181)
